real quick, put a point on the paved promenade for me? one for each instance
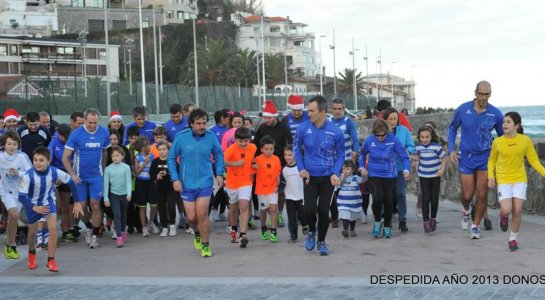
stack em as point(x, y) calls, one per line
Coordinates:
point(443, 264)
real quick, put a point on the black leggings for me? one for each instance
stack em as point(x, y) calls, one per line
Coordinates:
point(166, 202)
point(383, 190)
point(333, 210)
point(220, 200)
point(296, 212)
point(318, 195)
point(430, 195)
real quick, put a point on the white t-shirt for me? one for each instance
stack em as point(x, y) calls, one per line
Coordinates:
point(9, 184)
point(294, 183)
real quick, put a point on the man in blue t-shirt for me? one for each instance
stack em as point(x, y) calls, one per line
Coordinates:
point(175, 124)
point(320, 166)
point(477, 118)
point(88, 143)
point(140, 117)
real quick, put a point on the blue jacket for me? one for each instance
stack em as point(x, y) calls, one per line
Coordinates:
point(383, 156)
point(196, 168)
point(323, 149)
point(404, 136)
point(476, 134)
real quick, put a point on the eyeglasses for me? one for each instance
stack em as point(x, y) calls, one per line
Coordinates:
point(484, 94)
point(380, 135)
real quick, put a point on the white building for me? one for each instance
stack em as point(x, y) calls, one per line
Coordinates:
point(16, 18)
point(281, 35)
point(382, 85)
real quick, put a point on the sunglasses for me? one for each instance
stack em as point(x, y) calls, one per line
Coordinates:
point(380, 135)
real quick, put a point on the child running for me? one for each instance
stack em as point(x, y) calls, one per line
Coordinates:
point(432, 162)
point(37, 194)
point(12, 169)
point(349, 198)
point(167, 198)
point(144, 188)
point(506, 169)
point(268, 171)
point(117, 192)
point(238, 160)
point(294, 195)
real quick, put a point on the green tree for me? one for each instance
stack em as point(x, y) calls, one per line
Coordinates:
point(346, 82)
point(274, 69)
point(244, 68)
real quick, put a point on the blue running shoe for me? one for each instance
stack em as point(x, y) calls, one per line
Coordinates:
point(310, 241)
point(377, 228)
point(322, 249)
point(387, 232)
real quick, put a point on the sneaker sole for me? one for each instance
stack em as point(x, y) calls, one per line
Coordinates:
point(243, 243)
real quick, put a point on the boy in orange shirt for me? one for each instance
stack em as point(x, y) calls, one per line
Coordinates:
point(159, 134)
point(238, 160)
point(268, 169)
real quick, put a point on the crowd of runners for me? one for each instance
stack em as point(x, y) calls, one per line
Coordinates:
point(139, 178)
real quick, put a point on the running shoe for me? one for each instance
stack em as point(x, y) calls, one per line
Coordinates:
point(11, 252)
point(251, 224)
point(197, 243)
point(377, 228)
point(153, 228)
point(334, 223)
point(475, 233)
point(264, 235)
point(281, 221)
point(43, 246)
point(274, 237)
point(172, 230)
point(125, 236)
point(75, 231)
point(427, 227)
point(31, 261)
point(292, 241)
point(364, 219)
point(487, 224)
point(229, 229)
point(256, 215)
point(419, 212)
point(52, 266)
point(206, 251)
point(164, 232)
point(353, 233)
point(403, 226)
point(465, 221)
point(88, 236)
point(145, 231)
point(243, 240)
point(114, 235)
point(310, 241)
point(387, 232)
point(345, 233)
point(433, 224)
point(322, 249)
point(513, 245)
point(233, 235)
point(189, 230)
point(304, 229)
point(94, 242)
point(69, 237)
point(119, 242)
point(504, 223)
point(214, 215)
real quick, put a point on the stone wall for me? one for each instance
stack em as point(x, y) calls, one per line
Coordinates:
point(450, 185)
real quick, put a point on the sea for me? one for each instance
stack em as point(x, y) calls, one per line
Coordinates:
point(533, 119)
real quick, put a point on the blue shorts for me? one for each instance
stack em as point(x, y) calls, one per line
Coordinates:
point(33, 217)
point(90, 188)
point(190, 195)
point(471, 163)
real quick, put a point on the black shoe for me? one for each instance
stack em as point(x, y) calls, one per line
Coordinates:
point(130, 230)
point(403, 226)
point(487, 224)
point(75, 231)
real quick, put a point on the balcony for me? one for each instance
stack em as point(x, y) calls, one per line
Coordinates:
point(51, 58)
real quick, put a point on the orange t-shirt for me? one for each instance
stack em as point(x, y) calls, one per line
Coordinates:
point(267, 174)
point(154, 151)
point(238, 177)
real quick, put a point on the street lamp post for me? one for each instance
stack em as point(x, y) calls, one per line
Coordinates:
point(355, 89)
point(108, 94)
point(394, 104)
point(367, 71)
point(155, 61)
point(320, 66)
point(195, 63)
point(263, 61)
point(142, 68)
point(257, 64)
point(332, 47)
point(379, 62)
point(83, 39)
point(129, 45)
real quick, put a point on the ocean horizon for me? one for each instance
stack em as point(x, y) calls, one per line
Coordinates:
point(533, 118)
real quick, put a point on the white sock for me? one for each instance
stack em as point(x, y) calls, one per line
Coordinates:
point(514, 236)
point(474, 226)
point(467, 212)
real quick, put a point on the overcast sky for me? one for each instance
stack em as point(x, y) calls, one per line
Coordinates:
point(447, 46)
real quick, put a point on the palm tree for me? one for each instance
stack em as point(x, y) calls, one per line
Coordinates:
point(274, 69)
point(243, 70)
point(346, 82)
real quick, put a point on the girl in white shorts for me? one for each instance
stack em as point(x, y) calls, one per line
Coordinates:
point(506, 169)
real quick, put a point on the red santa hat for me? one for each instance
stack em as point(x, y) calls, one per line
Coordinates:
point(269, 110)
point(296, 102)
point(115, 115)
point(11, 114)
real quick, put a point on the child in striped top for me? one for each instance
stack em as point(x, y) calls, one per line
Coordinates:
point(144, 188)
point(432, 160)
point(349, 198)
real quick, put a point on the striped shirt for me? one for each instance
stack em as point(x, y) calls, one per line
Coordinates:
point(349, 197)
point(144, 174)
point(346, 125)
point(38, 188)
point(430, 159)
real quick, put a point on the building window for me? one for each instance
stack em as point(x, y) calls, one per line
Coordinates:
point(145, 23)
point(119, 24)
point(275, 29)
point(169, 14)
point(3, 50)
point(299, 43)
point(96, 25)
point(14, 50)
point(4, 68)
point(102, 53)
point(180, 15)
point(65, 50)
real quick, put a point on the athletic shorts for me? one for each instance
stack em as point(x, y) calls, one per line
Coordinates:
point(10, 202)
point(242, 193)
point(144, 193)
point(90, 188)
point(512, 190)
point(63, 188)
point(33, 217)
point(191, 195)
point(471, 163)
point(266, 200)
